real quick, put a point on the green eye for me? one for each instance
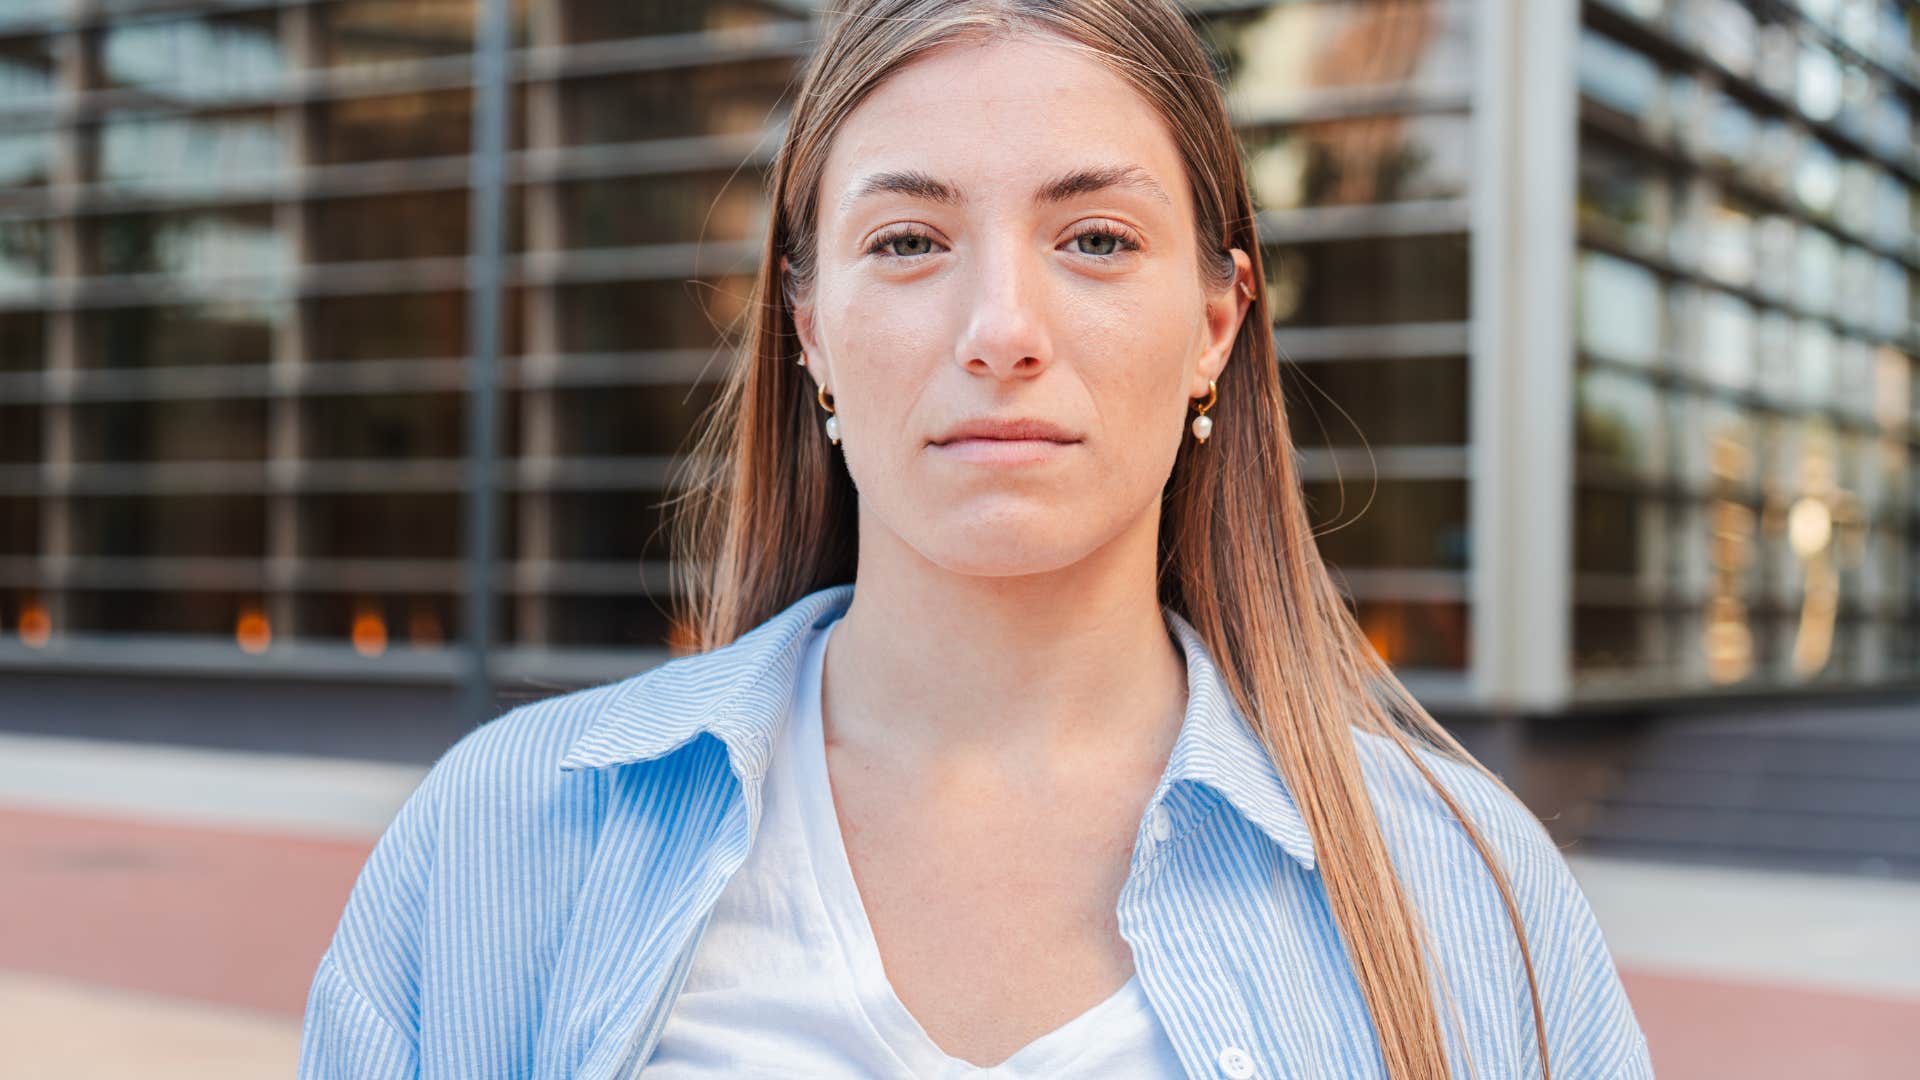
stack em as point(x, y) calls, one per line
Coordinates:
point(884, 245)
point(1107, 240)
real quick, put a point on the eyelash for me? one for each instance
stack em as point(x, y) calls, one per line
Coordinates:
point(1128, 241)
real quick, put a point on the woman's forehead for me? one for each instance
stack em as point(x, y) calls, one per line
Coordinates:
point(1010, 117)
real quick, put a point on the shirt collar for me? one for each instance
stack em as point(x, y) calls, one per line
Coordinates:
point(740, 692)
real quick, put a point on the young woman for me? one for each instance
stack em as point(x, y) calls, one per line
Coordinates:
point(1025, 734)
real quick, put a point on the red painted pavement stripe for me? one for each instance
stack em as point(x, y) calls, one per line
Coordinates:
point(1710, 1029)
point(220, 916)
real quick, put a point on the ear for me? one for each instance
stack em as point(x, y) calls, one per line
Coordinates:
point(1226, 310)
point(802, 308)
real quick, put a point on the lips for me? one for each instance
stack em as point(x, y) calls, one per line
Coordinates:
point(1009, 429)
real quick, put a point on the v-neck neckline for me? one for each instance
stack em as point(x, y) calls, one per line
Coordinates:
point(833, 871)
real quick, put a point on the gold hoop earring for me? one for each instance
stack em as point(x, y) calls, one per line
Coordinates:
point(1203, 424)
point(833, 422)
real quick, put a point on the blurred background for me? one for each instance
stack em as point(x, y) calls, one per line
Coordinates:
point(344, 358)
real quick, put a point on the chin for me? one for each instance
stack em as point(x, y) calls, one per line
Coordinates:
point(1004, 549)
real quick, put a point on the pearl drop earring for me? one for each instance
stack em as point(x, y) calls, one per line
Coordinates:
point(833, 422)
point(1203, 424)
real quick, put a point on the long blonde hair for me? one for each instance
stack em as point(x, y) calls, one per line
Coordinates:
point(766, 514)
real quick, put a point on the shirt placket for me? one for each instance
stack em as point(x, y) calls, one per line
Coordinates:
point(1186, 919)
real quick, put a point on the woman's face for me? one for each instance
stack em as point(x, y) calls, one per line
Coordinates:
point(1006, 234)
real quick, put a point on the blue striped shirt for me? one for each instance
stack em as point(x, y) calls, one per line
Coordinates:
point(534, 907)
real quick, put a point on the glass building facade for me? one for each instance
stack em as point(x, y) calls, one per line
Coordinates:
point(1745, 340)
point(1561, 440)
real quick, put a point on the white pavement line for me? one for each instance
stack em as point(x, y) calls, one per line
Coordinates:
point(54, 1029)
point(1850, 934)
point(325, 797)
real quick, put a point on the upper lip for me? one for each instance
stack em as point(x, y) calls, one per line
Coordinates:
point(1009, 428)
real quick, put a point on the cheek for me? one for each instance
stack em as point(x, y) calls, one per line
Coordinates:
point(881, 352)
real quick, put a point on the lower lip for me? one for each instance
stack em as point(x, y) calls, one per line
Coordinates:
point(1003, 451)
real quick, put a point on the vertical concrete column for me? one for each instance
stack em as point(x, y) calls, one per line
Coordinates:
point(64, 323)
point(539, 367)
point(286, 436)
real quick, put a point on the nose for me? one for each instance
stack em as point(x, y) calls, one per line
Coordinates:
point(1005, 334)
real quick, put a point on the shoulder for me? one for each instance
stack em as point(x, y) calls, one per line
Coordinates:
point(1430, 843)
point(1409, 805)
point(493, 818)
point(1591, 1026)
point(524, 745)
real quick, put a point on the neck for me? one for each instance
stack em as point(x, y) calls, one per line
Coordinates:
point(1023, 678)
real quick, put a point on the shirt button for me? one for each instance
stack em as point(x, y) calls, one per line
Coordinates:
point(1235, 1063)
point(1160, 822)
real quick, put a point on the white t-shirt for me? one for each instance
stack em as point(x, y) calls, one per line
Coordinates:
point(787, 979)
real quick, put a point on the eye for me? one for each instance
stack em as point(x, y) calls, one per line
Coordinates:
point(883, 244)
point(1114, 239)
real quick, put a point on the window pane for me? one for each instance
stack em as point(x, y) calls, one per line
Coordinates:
point(26, 158)
point(225, 241)
point(1617, 309)
point(432, 123)
point(205, 152)
point(1732, 132)
point(402, 225)
point(1714, 441)
point(396, 525)
point(597, 20)
point(1415, 634)
point(720, 99)
point(1724, 30)
point(1372, 159)
point(19, 434)
point(648, 314)
point(206, 57)
point(23, 340)
point(396, 326)
point(629, 420)
point(28, 68)
point(229, 332)
point(608, 525)
point(1415, 401)
point(1727, 241)
point(25, 254)
point(1625, 196)
point(1619, 425)
point(1814, 364)
point(1374, 280)
point(1618, 77)
point(391, 426)
point(1411, 524)
point(682, 208)
point(133, 431)
point(618, 621)
point(221, 526)
point(1623, 533)
point(1275, 56)
point(370, 33)
point(19, 526)
point(1621, 640)
point(1726, 340)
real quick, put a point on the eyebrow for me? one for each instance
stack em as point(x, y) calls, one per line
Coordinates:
point(918, 185)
